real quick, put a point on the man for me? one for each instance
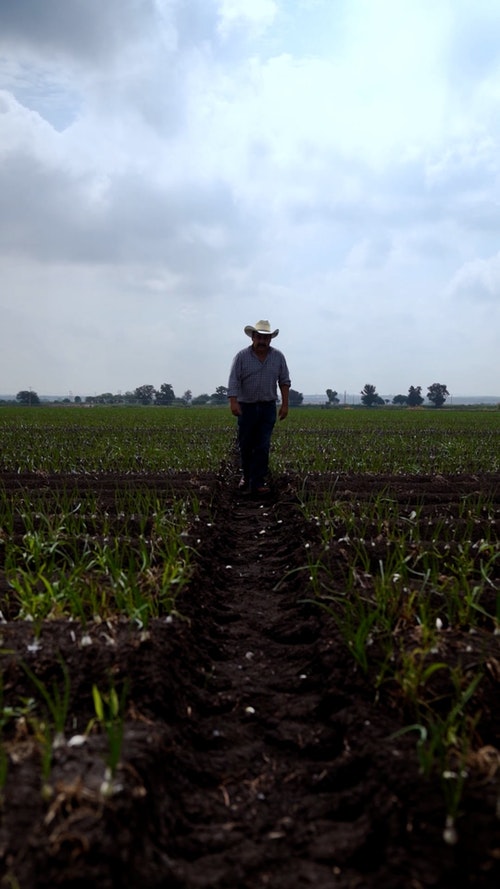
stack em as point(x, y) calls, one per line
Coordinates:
point(256, 372)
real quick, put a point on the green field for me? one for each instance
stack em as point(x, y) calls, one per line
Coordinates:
point(122, 525)
point(152, 439)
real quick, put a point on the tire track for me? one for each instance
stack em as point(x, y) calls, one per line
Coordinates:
point(289, 801)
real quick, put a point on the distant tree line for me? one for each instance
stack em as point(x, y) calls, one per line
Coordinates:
point(147, 395)
point(436, 394)
point(165, 395)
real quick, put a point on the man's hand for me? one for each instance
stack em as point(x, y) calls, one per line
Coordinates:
point(234, 407)
point(283, 411)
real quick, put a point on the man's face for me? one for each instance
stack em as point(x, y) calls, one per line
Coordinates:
point(261, 342)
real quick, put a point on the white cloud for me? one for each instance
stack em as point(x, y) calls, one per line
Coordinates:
point(196, 165)
point(254, 14)
point(22, 129)
point(478, 281)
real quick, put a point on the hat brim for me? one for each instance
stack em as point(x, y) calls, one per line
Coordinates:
point(250, 329)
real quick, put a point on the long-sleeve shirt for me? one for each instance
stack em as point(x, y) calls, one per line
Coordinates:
point(252, 380)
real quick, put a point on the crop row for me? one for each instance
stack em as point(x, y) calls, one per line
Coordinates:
point(76, 555)
point(152, 440)
point(414, 589)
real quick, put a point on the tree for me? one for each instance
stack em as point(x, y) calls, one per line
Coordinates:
point(415, 399)
point(145, 394)
point(165, 394)
point(27, 397)
point(369, 395)
point(187, 397)
point(400, 399)
point(219, 396)
point(295, 398)
point(332, 396)
point(437, 394)
point(201, 399)
point(106, 398)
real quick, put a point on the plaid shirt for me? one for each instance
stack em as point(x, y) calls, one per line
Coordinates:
point(252, 380)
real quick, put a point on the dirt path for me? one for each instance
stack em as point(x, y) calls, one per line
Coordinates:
point(260, 733)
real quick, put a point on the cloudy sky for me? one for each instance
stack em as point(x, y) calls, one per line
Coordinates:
point(172, 170)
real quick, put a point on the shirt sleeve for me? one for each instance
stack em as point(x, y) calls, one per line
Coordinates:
point(233, 384)
point(284, 377)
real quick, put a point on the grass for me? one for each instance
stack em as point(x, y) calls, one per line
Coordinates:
point(396, 578)
point(104, 440)
point(138, 440)
point(82, 564)
point(110, 715)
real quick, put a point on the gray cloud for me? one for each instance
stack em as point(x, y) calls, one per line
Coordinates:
point(53, 216)
point(86, 31)
point(95, 31)
point(159, 162)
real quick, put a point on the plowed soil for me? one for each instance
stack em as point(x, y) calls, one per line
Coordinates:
point(255, 753)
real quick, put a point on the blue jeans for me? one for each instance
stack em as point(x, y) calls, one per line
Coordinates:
point(255, 427)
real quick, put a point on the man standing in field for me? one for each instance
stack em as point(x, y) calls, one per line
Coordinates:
point(256, 372)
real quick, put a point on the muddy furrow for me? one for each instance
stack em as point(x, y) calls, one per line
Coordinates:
point(281, 737)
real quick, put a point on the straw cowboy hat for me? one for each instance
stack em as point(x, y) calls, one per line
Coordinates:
point(261, 327)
